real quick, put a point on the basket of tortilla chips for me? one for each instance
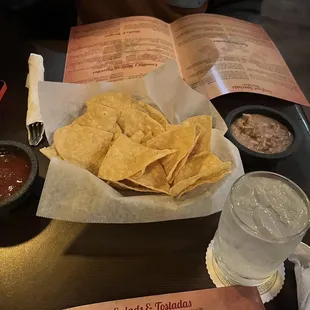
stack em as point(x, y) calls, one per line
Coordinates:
point(121, 160)
point(131, 145)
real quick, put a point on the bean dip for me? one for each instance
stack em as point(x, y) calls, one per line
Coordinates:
point(261, 134)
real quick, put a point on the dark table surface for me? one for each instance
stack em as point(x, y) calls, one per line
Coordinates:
point(54, 264)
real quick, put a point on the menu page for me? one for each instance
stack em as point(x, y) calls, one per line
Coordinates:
point(117, 49)
point(224, 298)
point(220, 55)
point(216, 54)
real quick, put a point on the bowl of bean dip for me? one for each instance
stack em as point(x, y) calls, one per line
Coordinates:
point(262, 132)
point(18, 170)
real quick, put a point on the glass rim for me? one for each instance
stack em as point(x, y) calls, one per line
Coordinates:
point(292, 184)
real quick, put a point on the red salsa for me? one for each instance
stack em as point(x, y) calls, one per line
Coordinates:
point(14, 172)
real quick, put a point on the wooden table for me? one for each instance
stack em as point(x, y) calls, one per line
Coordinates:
point(53, 264)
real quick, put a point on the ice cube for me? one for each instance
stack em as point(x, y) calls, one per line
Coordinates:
point(270, 207)
point(268, 223)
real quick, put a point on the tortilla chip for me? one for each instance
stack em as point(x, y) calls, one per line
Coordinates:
point(106, 117)
point(204, 125)
point(212, 176)
point(85, 120)
point(133, 120)
point(82, 145)
point(118, 101)
point(208, 180)
point(146, 138)
point(126, 158)
point(184, 160)
point(126, 184)
point(50, 152)
point(206, 167)
point(153, 178)
point(151, 111)
point(117, 133)
point(196, 165)
point(138, 136)
point(181, 139)
point(172, 127)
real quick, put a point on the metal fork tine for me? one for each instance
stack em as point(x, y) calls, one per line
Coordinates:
point(32, 132)
point(39, 129)
point(36, 130)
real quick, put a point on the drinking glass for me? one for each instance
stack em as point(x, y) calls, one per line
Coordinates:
point(265, 216)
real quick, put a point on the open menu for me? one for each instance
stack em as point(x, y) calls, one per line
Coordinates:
point(224, 298)
point(216, 54)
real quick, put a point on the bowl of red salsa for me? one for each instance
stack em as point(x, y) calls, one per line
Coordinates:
point(18, 170)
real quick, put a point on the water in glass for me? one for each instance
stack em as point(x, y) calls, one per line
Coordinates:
point(264, 219)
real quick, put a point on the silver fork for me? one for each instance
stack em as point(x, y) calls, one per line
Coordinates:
point(36, 133)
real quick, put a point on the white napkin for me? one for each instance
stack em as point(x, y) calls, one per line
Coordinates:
point(36, 74)
point(301, 258)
